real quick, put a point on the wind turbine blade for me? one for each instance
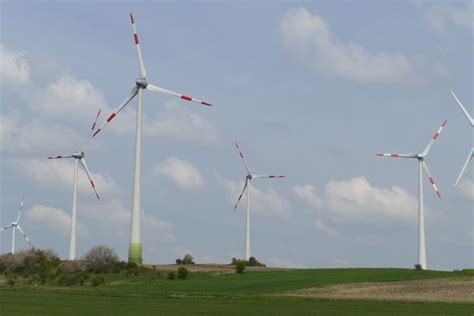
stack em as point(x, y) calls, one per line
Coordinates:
point(129, 98)
point(433, 184)
point(435, 137)
point(24, 235)
point(397, 155)
point(86, 143)
point(267, 177)
point(137, 45)
point(243, 190)
point(60, 157)
point(463, 109)
point(19, 209)
point(464, 167)
point(154, 88)
point(83, 163)
point(6, 227)
point(243, 159)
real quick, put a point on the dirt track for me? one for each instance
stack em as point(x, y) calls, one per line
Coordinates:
point(448, 290)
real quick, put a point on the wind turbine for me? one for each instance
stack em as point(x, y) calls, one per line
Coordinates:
point(16, 224)
point(78, 158)
point(471, 154)
point(421, 217)
point(248, 178)
point(135, 250)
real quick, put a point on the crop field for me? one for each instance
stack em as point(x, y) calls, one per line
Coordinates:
point(261, 292)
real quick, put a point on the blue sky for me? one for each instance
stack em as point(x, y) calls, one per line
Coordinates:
point(310, 90)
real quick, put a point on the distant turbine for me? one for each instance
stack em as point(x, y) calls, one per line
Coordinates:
point(421, 217)
point(78, 157)
point(249, 177)
point(471, 154)
point(135, 250)
point(16, 224)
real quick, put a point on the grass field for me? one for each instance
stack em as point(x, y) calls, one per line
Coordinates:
point(227, 294)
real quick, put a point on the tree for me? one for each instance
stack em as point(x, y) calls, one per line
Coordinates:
point(188, 259)
point(240, 266)
point(99, 256)
point(183, 273)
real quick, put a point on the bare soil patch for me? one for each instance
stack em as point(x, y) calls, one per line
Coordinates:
point(447, 290)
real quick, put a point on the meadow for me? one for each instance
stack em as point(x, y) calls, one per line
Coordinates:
point(250, 293)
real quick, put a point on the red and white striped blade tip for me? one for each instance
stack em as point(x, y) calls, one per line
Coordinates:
point(185, 97)
point(388, 155)
point(436, 135)
point(57, 157)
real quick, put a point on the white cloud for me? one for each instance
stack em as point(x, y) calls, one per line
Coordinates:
point(71, 98)
point(59, 174)
point(266, 202)
point(308, 38)
point(308, 194)
point(180, 172)
point(34, 136)
point(177, 123)
point(439, 17)
point(357, 201)
point(52, 219)
point(13, 66)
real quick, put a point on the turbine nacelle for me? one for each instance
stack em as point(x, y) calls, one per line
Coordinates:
point(78, 155)
point(141, 83)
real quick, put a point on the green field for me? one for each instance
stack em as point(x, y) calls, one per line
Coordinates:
point(229, 294)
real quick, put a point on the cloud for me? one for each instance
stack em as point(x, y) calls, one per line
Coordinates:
point(176, 123)
point(356, 201)
point(439, 17)
point(113, 219)
point(13, 66)
point(266, 202)
point(53, 219)
point(17, 136)
point(308, 38)
point(308, 194)
point(180, 172)
point(59, 174)
point(70, 98)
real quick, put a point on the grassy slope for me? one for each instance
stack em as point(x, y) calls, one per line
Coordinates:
point(224, 294)
point(260, 282)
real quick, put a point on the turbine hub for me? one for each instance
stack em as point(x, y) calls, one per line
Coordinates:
point(249, 176)
point(142, 83)
point(78, 155)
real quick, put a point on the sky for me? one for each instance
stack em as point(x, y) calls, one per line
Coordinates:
point(310, 90)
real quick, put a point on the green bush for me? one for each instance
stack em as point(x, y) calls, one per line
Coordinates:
point(132, 268)
point(240, 266)
point(172, 275)
point(97, 280)
point(100, 258)
point(183, 273)
point(82, 277)
point(67, 280)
